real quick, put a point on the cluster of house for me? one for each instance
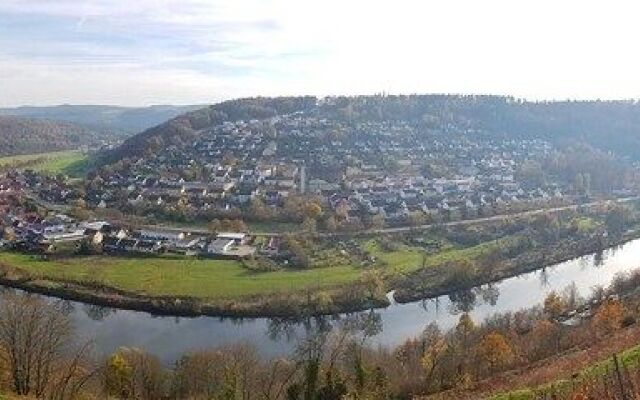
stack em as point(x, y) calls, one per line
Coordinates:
point(390, 168)
point(31, 233)
point(396, 199)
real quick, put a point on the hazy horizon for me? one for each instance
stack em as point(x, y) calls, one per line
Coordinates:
point(114, 52)
point(176, 104)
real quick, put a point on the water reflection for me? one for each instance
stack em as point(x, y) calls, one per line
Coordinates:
point(362, 324)
point(96, 312)
point(170, 337)
point(462, 301)
point(544, 278)
point(490, 294)
point(599, 258)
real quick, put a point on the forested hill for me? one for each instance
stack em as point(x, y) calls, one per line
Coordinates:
point(28, 136)
point(114, 120)
point(609, 125)
point(182, 129)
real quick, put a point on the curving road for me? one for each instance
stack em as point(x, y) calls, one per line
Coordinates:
point(367, 232)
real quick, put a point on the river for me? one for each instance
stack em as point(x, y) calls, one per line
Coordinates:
point(169, 337)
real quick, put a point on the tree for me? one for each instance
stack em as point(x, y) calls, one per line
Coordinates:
point(331, 224)
point(312, 210)
point(531, 173)
point(417, 218)
point(235, 225)
point(494, 350)
point(554, 305)
point(465, 329)
point(373, 283)
point(435, 348)
point(377, 222)
point(259, 210)
point(616, 220)
point(118, 376)
point(461, 271)
point(608, 318)
point(545, 339)
point(309, 225)
point(225, 373)
point(297, 252)
point(571, 296)
point(36, 337)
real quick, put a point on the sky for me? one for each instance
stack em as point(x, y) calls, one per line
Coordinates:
point(141, 52)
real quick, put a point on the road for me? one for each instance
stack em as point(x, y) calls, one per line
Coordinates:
point(369, 232)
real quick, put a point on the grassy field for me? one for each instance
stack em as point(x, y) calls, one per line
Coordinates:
point(72, 162)
point(408, 259)
point(182, 276)
point(174, 276)
point(273, 227)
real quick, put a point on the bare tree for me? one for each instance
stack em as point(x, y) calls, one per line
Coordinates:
point(36, 338)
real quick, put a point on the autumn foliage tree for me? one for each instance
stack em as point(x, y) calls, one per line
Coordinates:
point(609, 316)
point(495, 351)
point(554, 305)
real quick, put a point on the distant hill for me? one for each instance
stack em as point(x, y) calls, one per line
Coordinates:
point(183, 128)
point(121, 121)
point(608, 125)
point(28, 136)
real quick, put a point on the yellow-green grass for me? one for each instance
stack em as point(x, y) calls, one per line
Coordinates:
point(409, 258)
point(176, 276)
point(269, 227)
point(70, 162)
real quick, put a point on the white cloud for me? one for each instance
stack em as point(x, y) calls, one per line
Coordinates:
point(138, 52)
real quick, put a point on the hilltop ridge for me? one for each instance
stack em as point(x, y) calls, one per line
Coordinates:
point(609, 125)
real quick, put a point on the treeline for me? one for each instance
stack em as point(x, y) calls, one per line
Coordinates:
point(44, 358)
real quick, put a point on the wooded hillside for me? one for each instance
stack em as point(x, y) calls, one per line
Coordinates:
point(608, 125)
point(28, 136)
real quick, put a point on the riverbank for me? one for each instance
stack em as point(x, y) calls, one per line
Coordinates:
point(415, 285)
point(185, 287)
point(426, 283)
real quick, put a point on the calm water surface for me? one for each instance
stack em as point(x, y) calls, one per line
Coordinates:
point(169, 337)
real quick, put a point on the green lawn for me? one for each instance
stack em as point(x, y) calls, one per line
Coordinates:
point(409, 258)
point(176, 276)
point(274, 227)
point(71, 162)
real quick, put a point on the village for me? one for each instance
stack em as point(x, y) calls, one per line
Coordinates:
point(387, 171)
point(29, 231)
point(310, 172)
